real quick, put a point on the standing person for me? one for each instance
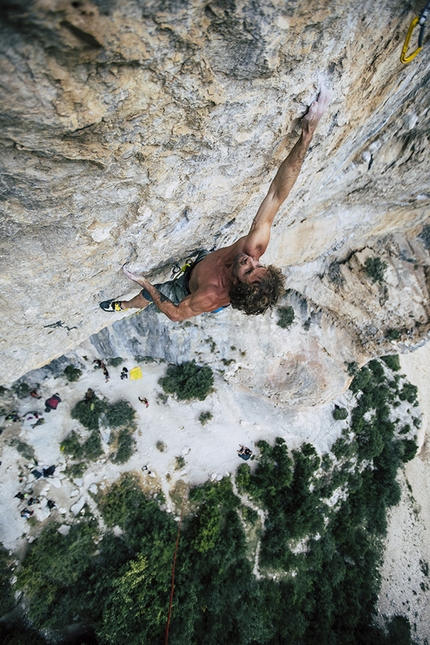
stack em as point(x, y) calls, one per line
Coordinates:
point(232, 275)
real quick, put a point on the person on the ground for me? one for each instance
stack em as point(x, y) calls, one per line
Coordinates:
point(232, 275)
point(52, 402)
point(89, 395)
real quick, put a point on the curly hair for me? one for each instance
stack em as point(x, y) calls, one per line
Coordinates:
point(257, 298)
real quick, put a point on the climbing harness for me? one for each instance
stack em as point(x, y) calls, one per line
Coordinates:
point(421, 20)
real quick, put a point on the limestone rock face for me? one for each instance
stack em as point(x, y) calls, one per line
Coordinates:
point(138, 131)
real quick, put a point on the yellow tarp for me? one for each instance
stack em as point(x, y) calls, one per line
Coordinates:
point(135, 373)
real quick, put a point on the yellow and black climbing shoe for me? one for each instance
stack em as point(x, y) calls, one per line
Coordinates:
point(111, 305)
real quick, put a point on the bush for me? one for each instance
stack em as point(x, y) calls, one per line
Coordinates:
point(120, 414)
point(339, 414)
point(377, 370)
point(392, 361)
point(188, 381)
point(89, 412)
point(360, 380)
point(409, 449)
point(392, 334)
point(72, 373)
point(93, 446)
point(89, 449)
point(352, 368)
point(125, 447)
point(375, 269)
point(205, 417)
point(21, 389)
point(7, 602)
point(286, 317)
point(408, 393)
point(179, 462)
point(24, 449)
point(114, 362)
point(75, 471)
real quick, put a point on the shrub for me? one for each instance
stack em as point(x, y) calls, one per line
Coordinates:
point(352, 368)
point(23, 448)
point(409, 449)
point(344, 448)
point(114, 362)
point(120, 414)
point(89, 412)
point(360, 380)
point(286, 317)
point(375, 269)
point(160, 445)
point(188, 381)
point(205, 417)
point(7, 602)
point(72, 446)
point(377, 370)
point(408, 393)
point(75, 471)
point(21, 389)
point(392, 334)
point(93, 446)
point(179, 462)
point(89, 449)
point(339, 414)
point(392, 361)
point(72, 373)
point(125, 446)
point(144, 359)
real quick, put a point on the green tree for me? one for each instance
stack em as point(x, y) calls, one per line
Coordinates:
point(120, 414)
point(188, 381)
point(89, 412)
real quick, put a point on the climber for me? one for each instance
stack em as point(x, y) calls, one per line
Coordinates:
point(232, 275)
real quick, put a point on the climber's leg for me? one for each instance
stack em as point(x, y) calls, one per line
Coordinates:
point(138, 302)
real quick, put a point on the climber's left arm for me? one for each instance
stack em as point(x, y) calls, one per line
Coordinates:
point(203, 300)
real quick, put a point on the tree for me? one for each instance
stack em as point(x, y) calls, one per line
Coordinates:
point(188, 381)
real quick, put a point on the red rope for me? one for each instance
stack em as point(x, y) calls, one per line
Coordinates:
point(172, 588)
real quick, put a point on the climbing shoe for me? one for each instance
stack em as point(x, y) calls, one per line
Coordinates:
point(111, 305)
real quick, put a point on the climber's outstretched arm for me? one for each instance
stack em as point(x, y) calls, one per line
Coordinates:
point(259, 234)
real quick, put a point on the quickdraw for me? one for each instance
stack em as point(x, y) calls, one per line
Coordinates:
point(177, 270)
point(421, 20)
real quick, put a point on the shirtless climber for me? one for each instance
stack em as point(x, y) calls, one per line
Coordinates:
point(232, 275)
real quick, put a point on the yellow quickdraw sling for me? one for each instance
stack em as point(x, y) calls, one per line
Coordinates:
point(421, 20)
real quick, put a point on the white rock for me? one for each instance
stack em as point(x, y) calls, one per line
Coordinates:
point(76, 508)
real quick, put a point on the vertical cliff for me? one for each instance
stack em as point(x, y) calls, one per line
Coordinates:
point(139, 131)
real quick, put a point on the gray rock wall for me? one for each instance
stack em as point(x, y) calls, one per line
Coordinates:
point(142, 130)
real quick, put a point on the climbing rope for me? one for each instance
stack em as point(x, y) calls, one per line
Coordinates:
point(421, 20)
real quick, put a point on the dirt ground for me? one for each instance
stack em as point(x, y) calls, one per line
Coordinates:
point(405, 572)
